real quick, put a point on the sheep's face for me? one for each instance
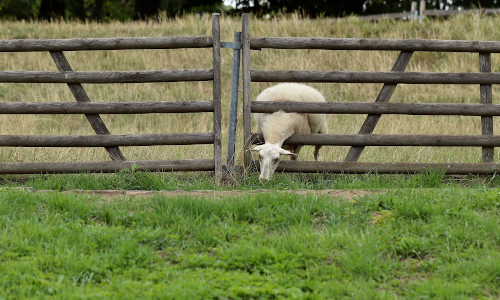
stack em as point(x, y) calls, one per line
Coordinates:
point(269, 159)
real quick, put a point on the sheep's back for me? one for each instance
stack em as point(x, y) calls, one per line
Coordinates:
point(291, 92)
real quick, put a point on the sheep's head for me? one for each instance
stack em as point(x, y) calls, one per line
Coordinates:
point(269, 159)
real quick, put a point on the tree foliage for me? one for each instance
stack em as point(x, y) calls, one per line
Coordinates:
point(102, 10)
point(340, 8)
point(388, 6)
point(21, 9)
point(309, 8)
point(105, 10)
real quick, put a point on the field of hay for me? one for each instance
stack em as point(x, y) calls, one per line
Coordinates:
point(464, 27)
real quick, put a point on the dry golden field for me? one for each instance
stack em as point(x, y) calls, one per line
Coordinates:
point(464, 27)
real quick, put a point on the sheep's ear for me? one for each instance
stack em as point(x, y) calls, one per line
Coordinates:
point(286, 152)
point(258, 148)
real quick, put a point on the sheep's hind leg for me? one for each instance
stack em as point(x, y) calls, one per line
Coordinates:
point(316, 152)
point(322, 130)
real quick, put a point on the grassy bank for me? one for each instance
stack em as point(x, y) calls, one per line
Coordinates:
point(430, 243)
point(463, 27)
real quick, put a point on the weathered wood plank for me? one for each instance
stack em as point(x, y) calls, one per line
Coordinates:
point(106, 140)
point(457, 109)
point(450, 12)
point(389, 140)
point(385, 168)
point(374, 44)
point(81, 96)
point(386, 16)
point(374, 77)
point(432, 13)
point(106, 107)
point(106, 166)
point(385, 94)
point(217, 115)
point(486, 92)
point(247, 122)
point(169, 42)
point(106, 77)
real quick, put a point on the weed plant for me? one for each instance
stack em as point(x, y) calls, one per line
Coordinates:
point(419, 244)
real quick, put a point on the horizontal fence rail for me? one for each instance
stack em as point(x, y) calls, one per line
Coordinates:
point(385, 168)
point(430, 13)
point(388, 140)
point(106, 77)
point(106, 107)
point(126, 43)
point(374, 77)
point(376, 108)
point(399, 15)
point(106, 140)
point(452, 12)
point(374, 44)
point(107, 166)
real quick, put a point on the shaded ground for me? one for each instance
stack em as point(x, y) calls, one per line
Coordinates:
point(346, 194)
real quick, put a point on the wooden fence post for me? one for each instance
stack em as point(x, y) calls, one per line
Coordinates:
point(414, 10)
point(247, 122)
point(217, 98)
point(422, 9)
point(488, 153)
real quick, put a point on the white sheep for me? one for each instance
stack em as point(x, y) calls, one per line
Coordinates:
point(279, 126)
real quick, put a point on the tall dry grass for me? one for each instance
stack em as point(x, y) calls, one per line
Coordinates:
point(462, 27)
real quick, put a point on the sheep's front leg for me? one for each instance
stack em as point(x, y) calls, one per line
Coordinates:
point(296, 150)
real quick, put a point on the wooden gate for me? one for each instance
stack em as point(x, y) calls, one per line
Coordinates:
point(92, 109)
point(486, 110)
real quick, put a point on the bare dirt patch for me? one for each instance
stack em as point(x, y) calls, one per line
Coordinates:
point(346, 194)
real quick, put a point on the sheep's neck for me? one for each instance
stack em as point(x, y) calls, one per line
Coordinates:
point(277, 129)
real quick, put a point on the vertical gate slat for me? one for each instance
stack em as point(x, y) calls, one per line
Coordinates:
point(384, 95)
point(488, 153)
point(217, 115)
point(247, 123)
point(81, 96)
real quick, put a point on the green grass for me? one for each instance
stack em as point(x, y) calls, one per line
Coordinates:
point(130, 180)
point(412, 244)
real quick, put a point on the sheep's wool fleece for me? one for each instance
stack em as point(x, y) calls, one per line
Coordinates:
point(290, 92)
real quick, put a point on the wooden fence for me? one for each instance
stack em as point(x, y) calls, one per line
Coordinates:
point(92, 109)
point(421, 13)
point(486, 110)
